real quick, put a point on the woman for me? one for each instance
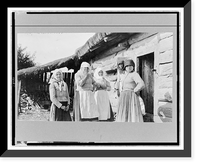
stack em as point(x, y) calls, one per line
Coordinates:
point(59, 97)
point(129, 109)
point(120, 72)
point(101, 95)
point(85, 85)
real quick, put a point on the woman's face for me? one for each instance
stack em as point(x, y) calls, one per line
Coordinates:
point(100, 73)
point(121, 66)
point(129, 69)
point(85, 70)
point(58, 76)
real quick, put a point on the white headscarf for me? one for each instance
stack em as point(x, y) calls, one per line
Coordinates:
point(85, 64)
point(96, 73)
point(60, 83)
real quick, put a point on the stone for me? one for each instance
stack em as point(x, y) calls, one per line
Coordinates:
point(165, 112)
point(165, 94)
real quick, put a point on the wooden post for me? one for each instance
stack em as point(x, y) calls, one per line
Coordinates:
point(70, 84)
point(45, 81)
point(18, 97)
point(65, 76)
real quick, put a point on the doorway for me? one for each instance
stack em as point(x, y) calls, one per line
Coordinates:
point(145, 66)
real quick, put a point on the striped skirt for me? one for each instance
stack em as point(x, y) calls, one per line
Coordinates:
point(129, 109)
point(58, 114)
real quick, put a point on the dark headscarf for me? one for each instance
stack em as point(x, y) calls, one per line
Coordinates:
point(129, 62)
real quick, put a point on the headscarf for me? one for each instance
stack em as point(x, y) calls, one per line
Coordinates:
point(129, 62)
point(60, 83)
point(80, 71)
point(96, 73)
point(85, 64)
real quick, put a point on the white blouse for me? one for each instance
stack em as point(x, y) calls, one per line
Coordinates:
point(132, 81)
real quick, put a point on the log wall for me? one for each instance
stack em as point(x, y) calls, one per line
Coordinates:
point(161, 44)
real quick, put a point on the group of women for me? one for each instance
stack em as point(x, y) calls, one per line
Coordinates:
point(91, 100)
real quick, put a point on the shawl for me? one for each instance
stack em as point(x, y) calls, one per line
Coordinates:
point(61, 85)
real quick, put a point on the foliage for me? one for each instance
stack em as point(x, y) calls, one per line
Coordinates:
point(25, 60)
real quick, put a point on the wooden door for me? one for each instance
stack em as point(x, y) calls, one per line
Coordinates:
point(146, 66)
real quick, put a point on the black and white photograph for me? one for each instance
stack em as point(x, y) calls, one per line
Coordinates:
point(97, 80)
point(111, 77)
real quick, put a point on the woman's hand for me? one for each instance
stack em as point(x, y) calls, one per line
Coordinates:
point(63, 107)
point(137, 92)
point(67, 108)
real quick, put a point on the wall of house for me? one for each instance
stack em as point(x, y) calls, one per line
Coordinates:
point(165, 80)
point(161, 44)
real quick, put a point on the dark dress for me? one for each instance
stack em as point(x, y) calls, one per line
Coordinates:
point(61, 115)
point(59, 98)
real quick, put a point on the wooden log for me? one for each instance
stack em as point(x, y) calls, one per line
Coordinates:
point(166, 44)
point(129, 53)
point(111, 55)
point(165, 82)
point(104, 62)
point(140, 36)
point(166, 69)
point(105, 59)
point(165, 35)
point(108, 67)
point(110, 52)
point(166, 57)
point(144, 47)
point(165, 94)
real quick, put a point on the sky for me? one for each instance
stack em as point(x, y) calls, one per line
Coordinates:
point(48, 47)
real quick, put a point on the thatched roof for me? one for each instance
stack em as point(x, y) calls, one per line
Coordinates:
point(91, 42)
point(93, 47)
point(46, 67)
point(99, 43)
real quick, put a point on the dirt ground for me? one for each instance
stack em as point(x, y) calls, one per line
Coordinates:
point(35, 115)
point(43, 115)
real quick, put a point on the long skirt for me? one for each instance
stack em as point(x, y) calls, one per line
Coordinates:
point(103, 104)
point(88, 106)
point(58, 114)
point(129, 109)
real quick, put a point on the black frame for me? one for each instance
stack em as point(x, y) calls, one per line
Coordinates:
point(186, 153)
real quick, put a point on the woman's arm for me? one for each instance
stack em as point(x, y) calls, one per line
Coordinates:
point(81, 80)
point(53, 98)
point(140, 83)
point(116, 85)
